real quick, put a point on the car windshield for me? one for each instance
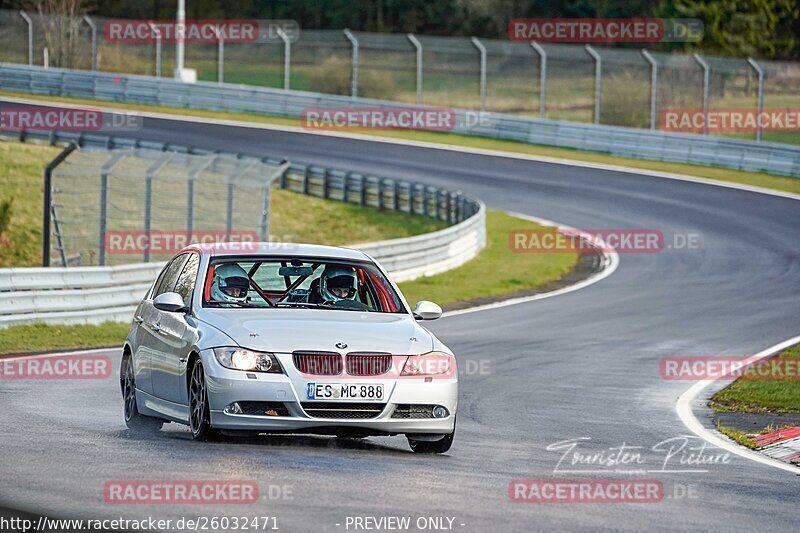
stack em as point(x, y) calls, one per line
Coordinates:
point(300, 283)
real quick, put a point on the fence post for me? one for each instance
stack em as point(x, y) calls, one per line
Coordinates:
point(354, 61)
point(706, 80)
point(450, 213)
point(93, 27)
point(48, 200)
point(418, 48)
point(180, 42)
point(148, 200)
point(653, 86)
point(28, 20)
point(287, 58)
point(157, 33)
point(760, 72)
point(542, 78)
point(220, 56)
point(380, 193)
point(482, 49)
point(190, 194)
point(598, 76)
point(104, 171)
point(264, 236)
point(229, 207)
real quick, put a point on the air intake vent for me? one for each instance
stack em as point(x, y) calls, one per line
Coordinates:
point(318, 363)
point(368, 364)
point(342, 410)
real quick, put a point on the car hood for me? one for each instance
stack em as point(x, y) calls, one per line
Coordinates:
point(289, 330)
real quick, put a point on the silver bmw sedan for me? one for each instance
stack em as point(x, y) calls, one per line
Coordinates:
point(266, 338)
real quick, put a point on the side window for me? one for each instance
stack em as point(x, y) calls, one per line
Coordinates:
point(186, 281)
point(170, 275)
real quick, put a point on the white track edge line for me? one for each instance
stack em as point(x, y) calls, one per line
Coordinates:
point(684, 409)
point(610, 260)
point(422, 144)
point(690, 420)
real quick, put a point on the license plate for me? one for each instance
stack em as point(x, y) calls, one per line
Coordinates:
point(344, 391)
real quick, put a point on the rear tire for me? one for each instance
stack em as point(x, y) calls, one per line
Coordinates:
point(199, 412)
point(133, 418)
point(437, 446)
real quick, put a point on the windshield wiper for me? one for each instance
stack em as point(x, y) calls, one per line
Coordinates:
point(303, 304)
point(238, 304)
point(320, 306)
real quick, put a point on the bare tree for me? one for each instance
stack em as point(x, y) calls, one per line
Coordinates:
point(60, 22)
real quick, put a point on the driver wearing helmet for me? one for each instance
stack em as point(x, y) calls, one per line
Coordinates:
point(336, 284)
point(230, 284)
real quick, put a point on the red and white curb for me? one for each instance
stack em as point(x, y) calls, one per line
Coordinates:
point(684, 408)
point(783, 445)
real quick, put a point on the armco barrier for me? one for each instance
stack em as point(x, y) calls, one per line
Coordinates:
point(91, 295)
point(97, 294)
point(781, 159)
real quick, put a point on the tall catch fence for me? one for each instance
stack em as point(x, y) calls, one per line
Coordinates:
point(595, 84)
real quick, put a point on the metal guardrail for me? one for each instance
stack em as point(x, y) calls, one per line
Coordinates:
point(98, 294)
point(92, 295)
point(780, 159)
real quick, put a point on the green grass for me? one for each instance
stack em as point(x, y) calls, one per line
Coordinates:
point(302, 218)
point(758, 179)
point(21, 169)
point(495, 272)
point(741, 437)
point(313, 220)
point(510, 273)
point(762, 396)
point(40, 337)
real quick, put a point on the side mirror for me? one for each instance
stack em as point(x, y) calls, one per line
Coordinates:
point(171, 302)
point(425, 310)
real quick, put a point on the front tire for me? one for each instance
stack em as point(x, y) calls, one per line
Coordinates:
point(199, 412)
point(438, 446)
point(133, 418)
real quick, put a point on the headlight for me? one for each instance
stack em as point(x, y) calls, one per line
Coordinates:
point(430, 364)
point(248, 360)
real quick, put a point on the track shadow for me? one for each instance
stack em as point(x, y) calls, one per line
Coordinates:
point(175, 432)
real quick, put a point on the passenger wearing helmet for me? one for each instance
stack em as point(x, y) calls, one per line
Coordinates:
point(230, 284)
point(336, 284)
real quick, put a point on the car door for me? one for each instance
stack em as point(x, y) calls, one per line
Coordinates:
point(146, 317)
point(153, 339)
point(175, 337)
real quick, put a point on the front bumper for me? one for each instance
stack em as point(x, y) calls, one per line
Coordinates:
point(226, 386)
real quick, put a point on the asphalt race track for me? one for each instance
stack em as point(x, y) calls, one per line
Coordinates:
point(580, 365)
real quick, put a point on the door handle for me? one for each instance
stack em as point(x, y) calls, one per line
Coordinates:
point(156, 327)
point(138, 319)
